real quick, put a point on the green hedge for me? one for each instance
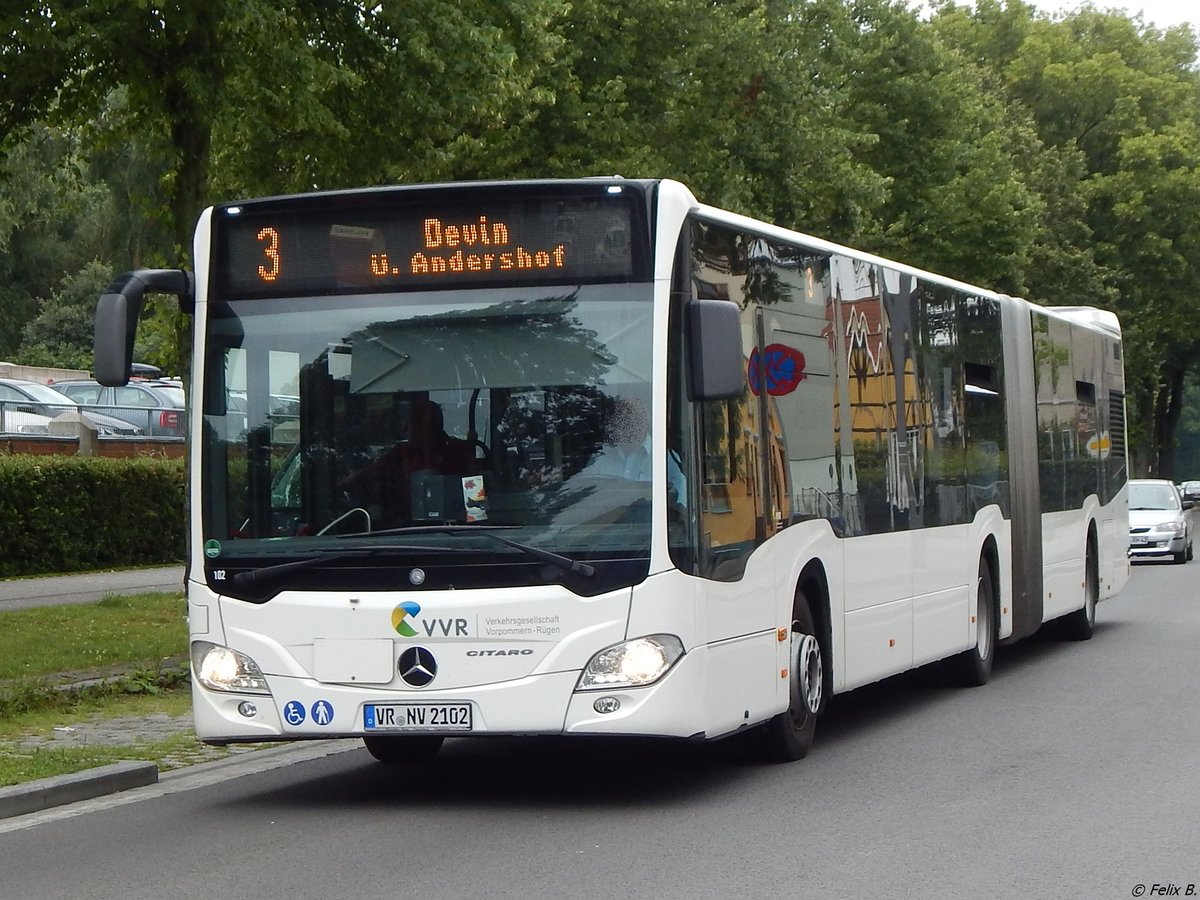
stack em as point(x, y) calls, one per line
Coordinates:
point(72, 513)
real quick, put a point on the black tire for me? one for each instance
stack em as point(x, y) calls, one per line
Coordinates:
point(789, 736)
point(1081, 624)
point(973, 667)
point(404, 749)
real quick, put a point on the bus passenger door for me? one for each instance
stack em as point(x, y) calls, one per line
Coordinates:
point(876, 313)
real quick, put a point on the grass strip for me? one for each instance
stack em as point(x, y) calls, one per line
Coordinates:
point(125, 631)
point(19, 767)
point(130, 653)
point(31, 695)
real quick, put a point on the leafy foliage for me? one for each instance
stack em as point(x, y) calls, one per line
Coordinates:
point(61, 333)
point(52, 221)
point(1117, 107)
point(1054, 158)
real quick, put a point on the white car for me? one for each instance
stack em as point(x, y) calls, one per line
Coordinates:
point(1160, 521)
point(14, 421)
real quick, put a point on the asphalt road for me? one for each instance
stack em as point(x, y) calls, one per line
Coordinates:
point(87, 587)
point(1072, 774)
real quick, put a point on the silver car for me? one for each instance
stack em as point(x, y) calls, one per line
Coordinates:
point(156, 407)
point(19, 395)
point(1160, 521)
point(1190, 490)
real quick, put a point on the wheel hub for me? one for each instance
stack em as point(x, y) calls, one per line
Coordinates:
point(983, 622)
point(809, 681)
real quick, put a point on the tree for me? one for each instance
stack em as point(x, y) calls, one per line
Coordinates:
point(1054, 158)
point(51, 222)
point(348, 94)
point(1116, 105)
point(1147, 210)
point(291, 95)
point(957, 202)
point(1127, 98)
point(61, 333)
point(1061, 269)
point(733, 98)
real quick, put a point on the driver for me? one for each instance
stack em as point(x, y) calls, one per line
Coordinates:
point(625, 451)
point(428, 453)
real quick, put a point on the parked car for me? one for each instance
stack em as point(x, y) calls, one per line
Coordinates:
point(1190, 490)
point(1160, 521)
point(157, 407)
point(43, 400)
point(15, 421)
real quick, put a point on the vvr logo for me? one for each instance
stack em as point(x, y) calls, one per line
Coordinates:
point(407, 612)
point(402, 612)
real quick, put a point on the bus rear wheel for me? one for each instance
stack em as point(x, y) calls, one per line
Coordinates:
point(400, 750)
point(789, 736)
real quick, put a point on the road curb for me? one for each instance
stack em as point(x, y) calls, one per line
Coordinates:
point(35, 796)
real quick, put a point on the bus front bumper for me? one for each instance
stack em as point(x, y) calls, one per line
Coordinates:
point(542, 704)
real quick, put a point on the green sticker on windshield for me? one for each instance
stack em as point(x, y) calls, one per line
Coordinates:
point(212, 549)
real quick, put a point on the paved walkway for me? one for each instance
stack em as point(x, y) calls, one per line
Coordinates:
point(36, 797)
point(86, 587)
point(125, 731)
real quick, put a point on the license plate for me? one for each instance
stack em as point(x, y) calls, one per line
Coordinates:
point(417, 717)
point(1139, 539)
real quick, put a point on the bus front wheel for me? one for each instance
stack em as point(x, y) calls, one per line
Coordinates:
point(413, 748)
point(789, 736)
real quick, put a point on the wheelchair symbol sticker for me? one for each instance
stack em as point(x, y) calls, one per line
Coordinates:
point(293, 713)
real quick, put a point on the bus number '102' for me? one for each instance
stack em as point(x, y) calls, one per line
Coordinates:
point(270, 271)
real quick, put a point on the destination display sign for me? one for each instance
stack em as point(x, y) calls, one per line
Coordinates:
point(406, 240)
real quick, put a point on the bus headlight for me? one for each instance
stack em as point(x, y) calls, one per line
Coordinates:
point(634, 663)
point(221, 669)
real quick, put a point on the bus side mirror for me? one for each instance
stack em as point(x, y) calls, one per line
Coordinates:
point(714, 336)
point(117, 318)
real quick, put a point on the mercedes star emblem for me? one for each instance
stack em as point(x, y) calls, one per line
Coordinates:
point(417, 666)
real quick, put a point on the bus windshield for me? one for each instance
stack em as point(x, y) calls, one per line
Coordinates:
point(330, 421)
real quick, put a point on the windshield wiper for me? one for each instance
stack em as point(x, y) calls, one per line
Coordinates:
point(253, 576)
point(489, 531)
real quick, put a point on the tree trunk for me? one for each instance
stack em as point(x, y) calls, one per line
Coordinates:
point(1142, 458)
point(1168, 404)
point(1172, 410)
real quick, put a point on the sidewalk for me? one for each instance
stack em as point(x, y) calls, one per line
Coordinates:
point(34, 797)
point(87, 587)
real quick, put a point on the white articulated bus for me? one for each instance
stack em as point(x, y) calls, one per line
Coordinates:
point(589, 457)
